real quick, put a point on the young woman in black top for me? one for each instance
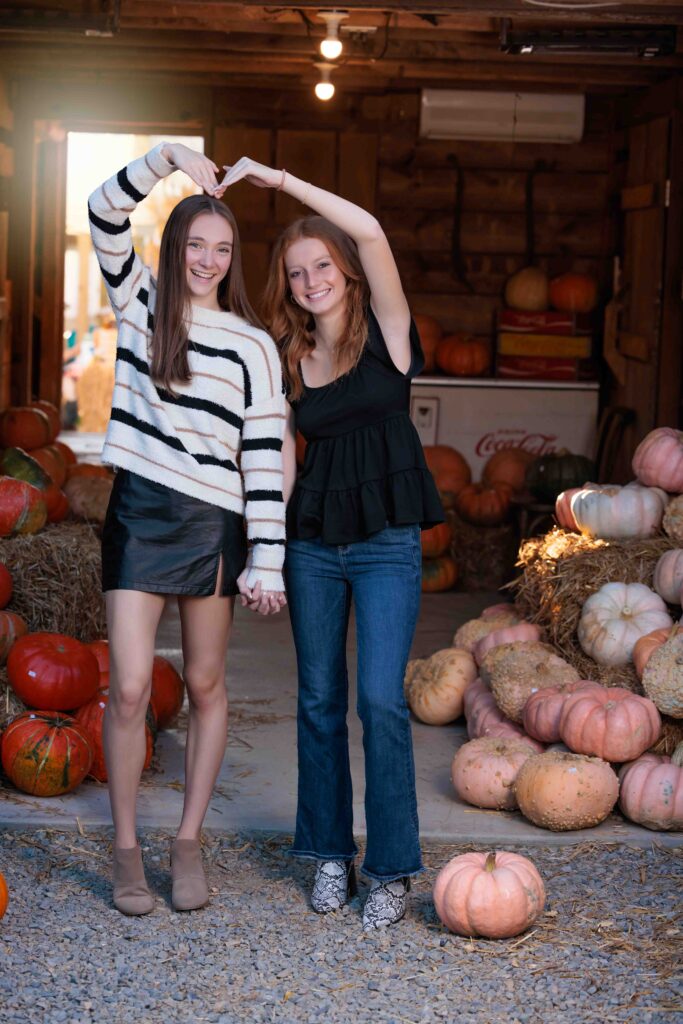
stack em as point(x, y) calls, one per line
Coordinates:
point(335, 305)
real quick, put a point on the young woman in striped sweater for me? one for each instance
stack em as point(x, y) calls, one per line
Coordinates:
point(196, 433)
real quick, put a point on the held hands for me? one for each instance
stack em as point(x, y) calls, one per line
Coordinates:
point(253, 172)
point(265, 602)
point(203, 171)
point(200, 168)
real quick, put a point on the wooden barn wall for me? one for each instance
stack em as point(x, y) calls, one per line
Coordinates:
point(367, 146)
point(6, 173)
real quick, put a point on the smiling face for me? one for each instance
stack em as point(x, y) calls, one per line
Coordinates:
point(208, 254)
point(316, 282)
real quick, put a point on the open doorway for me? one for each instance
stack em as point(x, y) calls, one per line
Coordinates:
point(89, 348)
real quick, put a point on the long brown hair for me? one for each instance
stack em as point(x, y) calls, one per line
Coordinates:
point(290, 325)
point(168, 347)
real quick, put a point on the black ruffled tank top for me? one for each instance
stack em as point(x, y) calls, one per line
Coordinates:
point(364, 466)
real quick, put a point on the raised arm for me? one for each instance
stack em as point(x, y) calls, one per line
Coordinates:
point(386, 291)
point(110, 206)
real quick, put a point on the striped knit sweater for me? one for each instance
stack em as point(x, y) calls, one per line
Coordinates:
point(217, 437)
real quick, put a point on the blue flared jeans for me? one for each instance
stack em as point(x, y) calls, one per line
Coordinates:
point(382, 577)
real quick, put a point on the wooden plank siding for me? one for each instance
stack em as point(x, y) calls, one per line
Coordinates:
point(6, 173)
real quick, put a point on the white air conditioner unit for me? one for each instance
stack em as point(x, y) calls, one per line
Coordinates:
point(505, 116)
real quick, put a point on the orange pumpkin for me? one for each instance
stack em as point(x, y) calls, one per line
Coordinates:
point(436, 541)
point(52, 413)
point(22, 507)
point(6, 585)
point(497, 895)
point(430, 333)
point(4, 895)
point(24, 427)
point(450, 470)
point(609, 722)
point(67, 453)
point(12, 626)
point(461, 355)
point(57, 504)
point(52, 671)
point(87, 469)
point(527, 290)
point(573, 293)
point(482, 505)
point(168, 692)
point(563, 791)
point(508, 467)
point(91, 717)
point(648, 644)
point(438, 574)
point(52, 461)
point(45, 753)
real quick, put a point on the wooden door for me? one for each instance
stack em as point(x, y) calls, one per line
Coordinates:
point(47, 269)
point(636, 335)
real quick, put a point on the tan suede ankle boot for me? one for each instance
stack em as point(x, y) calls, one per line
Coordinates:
point(131, 894)
point(190, 891)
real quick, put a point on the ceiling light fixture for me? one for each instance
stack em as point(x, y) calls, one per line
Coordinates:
point(331, 46)
point(324, 88)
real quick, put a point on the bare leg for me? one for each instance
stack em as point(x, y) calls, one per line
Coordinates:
point(132, 620)
point(206, 623)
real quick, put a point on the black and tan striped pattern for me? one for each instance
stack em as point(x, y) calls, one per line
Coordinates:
point(217, 437)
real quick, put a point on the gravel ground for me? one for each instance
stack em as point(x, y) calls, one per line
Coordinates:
point(607, 949)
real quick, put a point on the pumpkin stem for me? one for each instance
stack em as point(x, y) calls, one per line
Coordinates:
point(490, 862)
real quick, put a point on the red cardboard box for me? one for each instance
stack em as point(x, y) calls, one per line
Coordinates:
point(549, 322)
point(543, 368)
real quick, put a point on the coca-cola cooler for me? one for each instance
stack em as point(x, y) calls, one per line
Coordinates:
point(480, 417)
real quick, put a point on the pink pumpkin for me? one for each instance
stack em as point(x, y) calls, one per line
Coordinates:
point(483, 771)
point(668, 578)
point(496, 895)
point(486, 719)
point(542, 711)
point(610, 723)
point(658, 459)
point(651, 792)
point(504, 608)
point(563, 506)
point(522, 631)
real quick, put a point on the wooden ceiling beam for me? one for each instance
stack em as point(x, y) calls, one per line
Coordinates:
point(168, 48)
point(25, 61)
point(645, 11)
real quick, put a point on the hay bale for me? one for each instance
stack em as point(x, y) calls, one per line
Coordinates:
point(485, 555)
point(10, 705)
point(561, 570)
point(56, 577)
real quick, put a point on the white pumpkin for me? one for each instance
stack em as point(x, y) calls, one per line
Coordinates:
point(668, 578)
point(615, 617)
point(618, 512)
point(435, 686)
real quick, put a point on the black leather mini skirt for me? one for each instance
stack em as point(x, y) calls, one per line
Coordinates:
point(160, 541)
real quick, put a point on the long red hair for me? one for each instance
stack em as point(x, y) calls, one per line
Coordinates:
point(168, 348)
point(291, 326)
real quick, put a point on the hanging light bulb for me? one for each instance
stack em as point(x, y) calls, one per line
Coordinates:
point(324, 88)
point(331, 46)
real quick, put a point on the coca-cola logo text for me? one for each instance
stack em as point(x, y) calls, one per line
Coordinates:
point(499, 440)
